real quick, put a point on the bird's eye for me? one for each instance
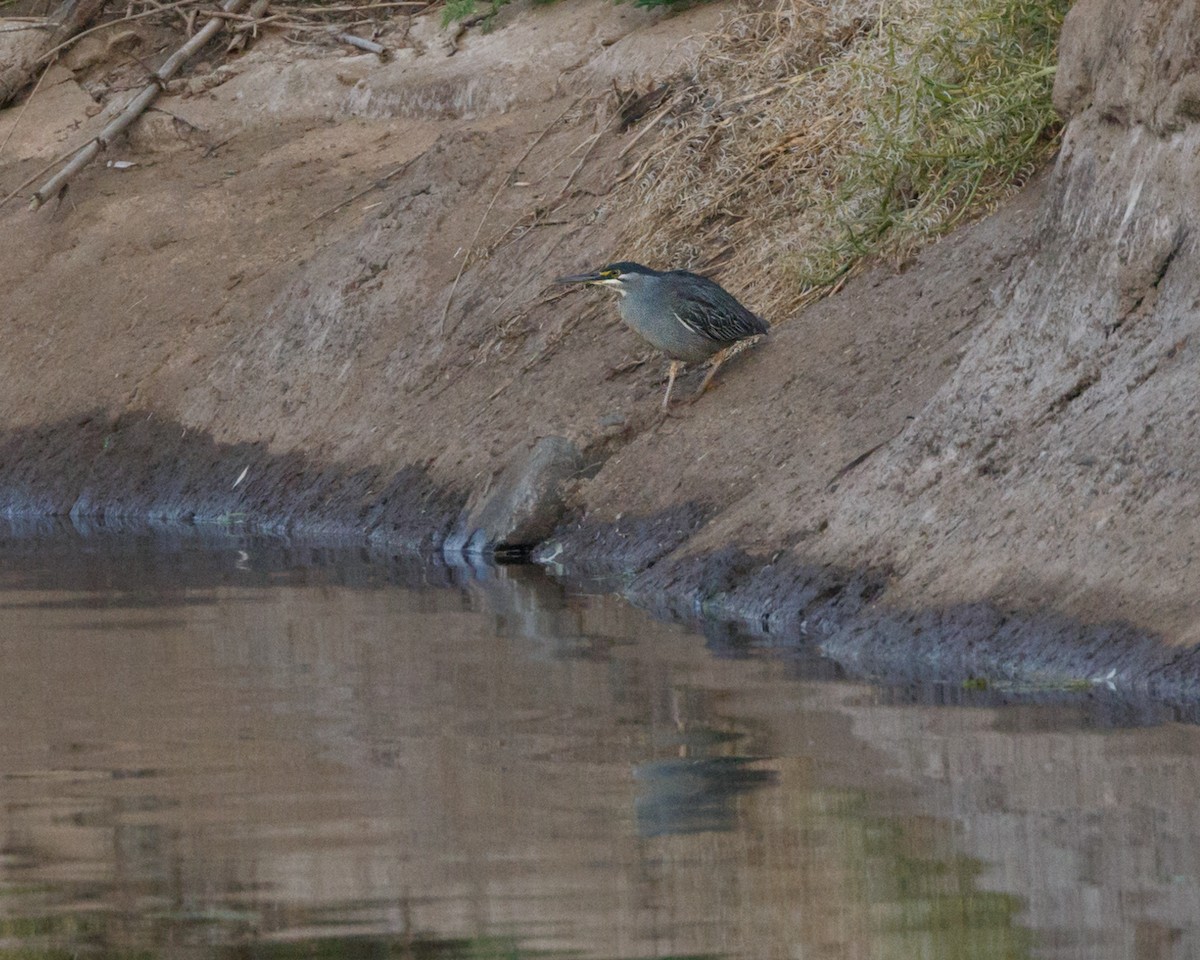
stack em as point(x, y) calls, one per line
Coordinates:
point(609, 274)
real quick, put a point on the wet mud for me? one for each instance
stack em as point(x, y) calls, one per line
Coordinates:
point(843, 613)
point(139, 466)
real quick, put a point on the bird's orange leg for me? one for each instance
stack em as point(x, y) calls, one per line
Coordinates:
point(675, 365)
point(718, 358)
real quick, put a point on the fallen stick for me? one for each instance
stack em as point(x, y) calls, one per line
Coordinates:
point(134, 108)
point(382, 52)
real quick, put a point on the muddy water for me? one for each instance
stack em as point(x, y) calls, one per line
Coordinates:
point(233, 748)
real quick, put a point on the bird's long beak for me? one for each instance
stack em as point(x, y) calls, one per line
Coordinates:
point(593, 277)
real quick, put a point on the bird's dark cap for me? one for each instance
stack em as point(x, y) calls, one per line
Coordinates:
point(611, 271)
point(628, 266)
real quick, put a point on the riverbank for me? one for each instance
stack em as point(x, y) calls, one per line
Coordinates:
point(147, 474)
point(232, 330)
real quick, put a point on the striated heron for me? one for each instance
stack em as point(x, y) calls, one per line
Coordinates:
point(688, 317)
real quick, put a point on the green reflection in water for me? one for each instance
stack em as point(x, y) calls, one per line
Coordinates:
point(922, 897)
point(480, 948)
point(89, 935)
point(356, 948)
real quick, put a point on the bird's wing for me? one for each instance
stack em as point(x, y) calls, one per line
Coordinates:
point(709, 310)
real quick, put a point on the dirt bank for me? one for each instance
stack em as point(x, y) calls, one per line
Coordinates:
point(210, 335)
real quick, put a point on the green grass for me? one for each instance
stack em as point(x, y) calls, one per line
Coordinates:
point(806, 146)
point(961, 112)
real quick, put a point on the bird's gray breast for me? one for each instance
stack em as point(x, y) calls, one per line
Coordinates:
point(666, 330)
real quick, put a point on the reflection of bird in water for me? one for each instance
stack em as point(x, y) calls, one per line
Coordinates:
point(688, 317)
point(694, 795)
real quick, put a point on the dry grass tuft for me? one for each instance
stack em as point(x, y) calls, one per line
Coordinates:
point(815, 136)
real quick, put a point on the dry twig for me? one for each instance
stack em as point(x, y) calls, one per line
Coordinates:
point(496, 196)
point(362, 193)
point(133, 109)
point(244, 31)
point(356, 8)
point(382, 52)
